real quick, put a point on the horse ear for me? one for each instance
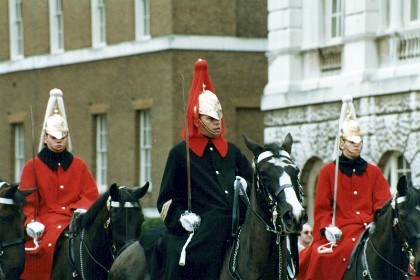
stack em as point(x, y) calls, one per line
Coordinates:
point(113, 192)
point(11, 192)
point(140, 192)
point(27, 192)
point(402, 186)
point(287, 143)
point(253, 146)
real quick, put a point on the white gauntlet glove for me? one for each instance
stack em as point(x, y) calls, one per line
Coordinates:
point(243, 183)
point(190, 221)
point(35, 231)
point(333, 234)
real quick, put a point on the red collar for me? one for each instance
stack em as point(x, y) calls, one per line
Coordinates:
point(199, 142)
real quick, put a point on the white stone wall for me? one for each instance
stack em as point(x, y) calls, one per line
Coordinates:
point(300, 99)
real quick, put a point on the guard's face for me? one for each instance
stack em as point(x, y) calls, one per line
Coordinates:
point(351, 149)
point(54, 144)
point(208, 126)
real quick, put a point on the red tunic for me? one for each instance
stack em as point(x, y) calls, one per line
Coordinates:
point(60, 193)
point(357, 199)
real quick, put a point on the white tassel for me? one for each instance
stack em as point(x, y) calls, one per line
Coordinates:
point(33, 249)
point(183, 252)
point(347, 112)
point(327, 248)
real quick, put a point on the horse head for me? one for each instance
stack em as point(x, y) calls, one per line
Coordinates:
point(277, 179)
point(407, 222)
point(12, 218)
point(126, 214)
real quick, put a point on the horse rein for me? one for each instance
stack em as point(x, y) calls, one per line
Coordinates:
point(277, 229)
point(7, 243)
point(403, 240)
point(110, 204)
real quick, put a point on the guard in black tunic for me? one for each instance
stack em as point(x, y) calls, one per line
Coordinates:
point(202, 226)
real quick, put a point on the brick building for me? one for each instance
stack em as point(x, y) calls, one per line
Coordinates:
point(121, 66)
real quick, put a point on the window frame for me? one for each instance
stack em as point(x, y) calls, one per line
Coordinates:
point(142, 19)
point(396, 166)
point(16, 29)
point(98, 14)
point(56, 26)
point(145, 148)
point(101, 152)
point(329, 17)
point(19, 150)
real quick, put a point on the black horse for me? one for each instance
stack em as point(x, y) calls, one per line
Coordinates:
point(112, 221)
point(391, 244)
point(12, 239)
point(266, 244)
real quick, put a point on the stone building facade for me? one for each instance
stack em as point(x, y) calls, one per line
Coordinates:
point(322, 50)
point(125, 68)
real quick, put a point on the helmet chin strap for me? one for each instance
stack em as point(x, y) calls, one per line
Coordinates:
point(208, 129)
point(351, 152)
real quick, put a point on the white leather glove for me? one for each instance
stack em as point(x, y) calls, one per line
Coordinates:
point(35, 229)
point(243, 183)
point(190, 221)
point(333, 233)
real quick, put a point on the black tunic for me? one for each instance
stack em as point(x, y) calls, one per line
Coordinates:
point(212, 190)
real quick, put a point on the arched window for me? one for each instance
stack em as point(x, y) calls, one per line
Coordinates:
point(396, 166)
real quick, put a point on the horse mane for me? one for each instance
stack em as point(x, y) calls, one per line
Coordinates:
point(89, 217)
point(378, 212)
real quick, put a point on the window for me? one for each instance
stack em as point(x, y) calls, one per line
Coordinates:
point(19, 151)
point(414, 10)
point(396, 166)
point(335, 19)
point(16, 29)
point(56, 26)
point(145, 148)
point(101, 153)
point(142, 14)
point(98, 23)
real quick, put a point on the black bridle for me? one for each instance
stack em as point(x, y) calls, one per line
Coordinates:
point(108, 225)
point(404, 243)
point(264, 197)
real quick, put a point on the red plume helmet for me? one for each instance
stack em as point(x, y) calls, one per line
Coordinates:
point(201, 84)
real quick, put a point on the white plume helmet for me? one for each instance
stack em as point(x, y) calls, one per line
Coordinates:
point(348, 127)
point(55, 121)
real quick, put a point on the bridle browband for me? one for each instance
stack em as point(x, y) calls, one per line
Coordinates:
point(80, 270)
point(405, 247)
point(278, 230)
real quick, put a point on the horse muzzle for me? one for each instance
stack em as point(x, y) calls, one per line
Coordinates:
point(293, 222)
